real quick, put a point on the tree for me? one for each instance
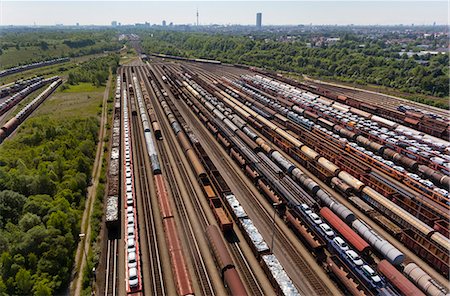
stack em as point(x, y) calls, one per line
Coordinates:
point(42, 288)
point(24, 282)
point(11, 204)
point(43, 45)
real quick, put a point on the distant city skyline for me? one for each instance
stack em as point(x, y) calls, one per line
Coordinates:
point(224, 13)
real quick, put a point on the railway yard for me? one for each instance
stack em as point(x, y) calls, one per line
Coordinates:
point(233, 180)
point(227, 179)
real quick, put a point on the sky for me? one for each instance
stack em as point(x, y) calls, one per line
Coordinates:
point(316, 12)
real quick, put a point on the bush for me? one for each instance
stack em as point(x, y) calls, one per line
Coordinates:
point(44, 173)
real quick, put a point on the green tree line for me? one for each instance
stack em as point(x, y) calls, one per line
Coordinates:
point(352, 59)
point(44, 173)
point(95, 71)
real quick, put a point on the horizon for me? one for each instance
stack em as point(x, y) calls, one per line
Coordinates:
point(232, 13)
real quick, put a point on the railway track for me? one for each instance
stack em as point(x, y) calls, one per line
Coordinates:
point(252, 282)
point(385, 100)
point(176, 192)
point(111, 268)
point(157, 285)
point(209, 81)
point(317, 285)
point(178, 171)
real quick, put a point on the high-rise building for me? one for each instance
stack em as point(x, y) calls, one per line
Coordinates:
point(259, 20)
point(114, 23)
point(164, 23)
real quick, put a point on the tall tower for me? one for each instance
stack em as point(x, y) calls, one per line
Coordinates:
point(259, 20)
point(197, 17)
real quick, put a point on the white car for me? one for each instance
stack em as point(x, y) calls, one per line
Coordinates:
point(316, 219)
point(327, 229)
point(130, 245)
point(393, 141)
point(389, 163)
point(371, 273)
point(441, 191)
point(306, 208)
point(340, 243)
point(399, 168)
point(354, 257)
point(132, 277)
point(130, 210)
point(130, 231)
point(413, 176)
point(379, 158)
point(427, 183)
point(412, 149)
point(132, 259)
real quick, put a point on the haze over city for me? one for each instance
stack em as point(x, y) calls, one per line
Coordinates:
point(224, 13)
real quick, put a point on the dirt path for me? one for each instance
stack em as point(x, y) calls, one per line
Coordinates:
point(84, 244)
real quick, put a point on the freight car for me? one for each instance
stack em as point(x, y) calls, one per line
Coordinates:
point(424, 281)
point(270, 264)
point(226, 265)
point(112, 209)
point(350, 180)
point(197, 94)
point(242, 214)
point(398, 279)
point(32, 66)
point(112, 214)
point(19, 96)
point(214, 200)
point(14, 122)
point(132, 254)
point(18, 86)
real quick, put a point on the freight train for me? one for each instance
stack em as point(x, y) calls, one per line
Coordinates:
point(368, 280)
point(205, 61)
point(214, 201)
point(18, 86)
point(269, 262)
point(434, 195)
point(113, 199)
point(179, 266)
point(132, 254)
point(17, 97)
point(373, 197)
point(427, 124)
point(32, 66)
point(308, 110)
point(368, 192)
point(14, 122)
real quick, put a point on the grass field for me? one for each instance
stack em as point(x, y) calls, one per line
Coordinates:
point(77, 101)
point(82, 87)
